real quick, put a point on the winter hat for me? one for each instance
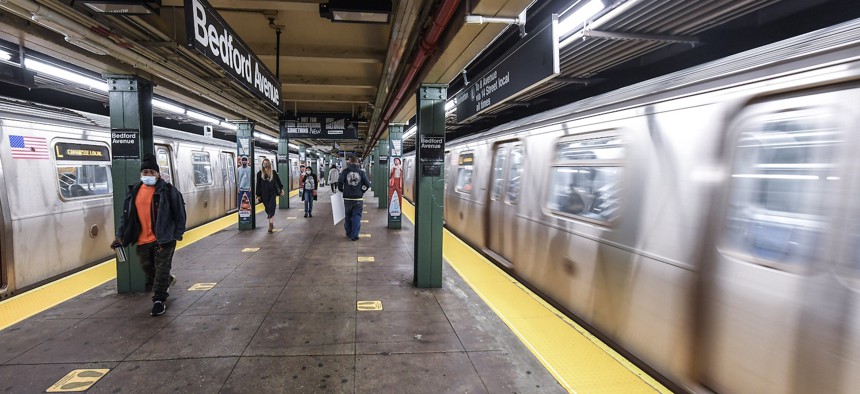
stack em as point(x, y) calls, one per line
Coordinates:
point(149, 163)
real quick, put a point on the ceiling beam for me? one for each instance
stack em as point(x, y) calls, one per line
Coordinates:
point(257, 5)
point(327, 98)
point(324, 54)
point(327, 82)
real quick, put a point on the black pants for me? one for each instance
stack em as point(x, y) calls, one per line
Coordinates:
point(156, 261)
point(334, 188)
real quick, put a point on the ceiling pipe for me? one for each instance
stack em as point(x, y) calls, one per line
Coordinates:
point(425, 51)
point(49, 18)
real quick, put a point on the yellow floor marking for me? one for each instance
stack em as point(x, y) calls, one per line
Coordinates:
point(201, 286)
point(292, 217)
point(578, 360)
point(22, 306)
point(368, 306)
point(369, 259)
point(77, 380)
point(364, 235)
point(250, 250)
point(365, 221)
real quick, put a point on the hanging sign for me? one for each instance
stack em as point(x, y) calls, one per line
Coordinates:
point(533, 62)
point(319, 126)
point(210, 35)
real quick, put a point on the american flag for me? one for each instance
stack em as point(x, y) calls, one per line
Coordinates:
point(28, 147)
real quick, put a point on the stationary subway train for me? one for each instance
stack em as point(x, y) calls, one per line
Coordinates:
point(706, 221)
point(56, 191)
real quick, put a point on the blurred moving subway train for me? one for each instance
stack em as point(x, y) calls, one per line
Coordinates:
point(707, 221)
point(56, 191)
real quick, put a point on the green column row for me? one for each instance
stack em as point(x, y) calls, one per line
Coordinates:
point(429, 185)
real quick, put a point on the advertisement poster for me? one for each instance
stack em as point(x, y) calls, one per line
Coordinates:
point(244, 204)
point(395, 188)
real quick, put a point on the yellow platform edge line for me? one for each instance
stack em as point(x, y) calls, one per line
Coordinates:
point(484, 287)
point(20, 307)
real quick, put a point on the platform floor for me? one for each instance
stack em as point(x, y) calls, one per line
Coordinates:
point(281, 319)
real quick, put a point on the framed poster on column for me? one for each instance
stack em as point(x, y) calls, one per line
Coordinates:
point(395, 181)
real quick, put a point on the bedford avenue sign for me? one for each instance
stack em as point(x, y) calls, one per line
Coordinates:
point(211, 36)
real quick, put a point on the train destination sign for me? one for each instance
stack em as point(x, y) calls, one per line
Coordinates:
point(81, 152)
point(210, 35)
point(319, 126)
point(533, 62)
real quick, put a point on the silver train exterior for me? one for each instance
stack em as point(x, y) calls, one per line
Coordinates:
point(706, 221)
point(57, 212)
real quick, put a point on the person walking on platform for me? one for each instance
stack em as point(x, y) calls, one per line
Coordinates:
point(153, 217)
point(268, 187)
point(333, 175)
point(309, 191)
point(353, 183)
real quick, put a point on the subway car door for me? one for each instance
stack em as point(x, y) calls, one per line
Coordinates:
point(228, 174)
point(774, 309)
point(504, 197)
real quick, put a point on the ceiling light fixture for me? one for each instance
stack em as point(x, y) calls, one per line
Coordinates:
point(51, 71)
point(202, 117)
point(124, 7)
point(5, 55)
point(409, 133)
point(168, 107)
point(576, 21)
point(229, 126)
point(350, 11)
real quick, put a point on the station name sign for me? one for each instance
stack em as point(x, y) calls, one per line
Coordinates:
point(210, 35)
point(319, 126)
point(533, 62)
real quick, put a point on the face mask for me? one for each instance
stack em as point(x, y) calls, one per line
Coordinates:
point(308, 172)
point(148, 180)
point(266, 165)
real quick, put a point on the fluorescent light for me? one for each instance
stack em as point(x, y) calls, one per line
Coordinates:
point(52, 71)
point(294, 146)
point(228, 126)
point(264, 137)
point(87, 45)
point(168, 107)
point(778, 176)
point(5, 55)
point(576, 21)
point(450, 104)
point(409, 133)
point(205, 118)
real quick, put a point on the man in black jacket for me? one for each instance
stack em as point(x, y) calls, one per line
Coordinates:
point(353, 183)
point(153, 217)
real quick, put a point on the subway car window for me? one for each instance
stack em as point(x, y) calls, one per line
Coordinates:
point(202, 168)
point(515, 174)
point(784, 174)
point(83, 170)
point(586, 178)
point(499, 173)
point(164, 164)
point(464, 173)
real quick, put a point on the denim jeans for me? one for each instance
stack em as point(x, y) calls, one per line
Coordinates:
point(352, 217)
point(309, 201)
point(156, 261)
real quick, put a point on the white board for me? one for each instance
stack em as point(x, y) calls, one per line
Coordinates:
point(337, 211)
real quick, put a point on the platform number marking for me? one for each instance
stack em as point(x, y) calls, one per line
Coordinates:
point(368, 259)
point(369, 305)
point(77, 380)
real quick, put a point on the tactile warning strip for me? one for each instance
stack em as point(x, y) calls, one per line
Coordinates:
point(578, 360)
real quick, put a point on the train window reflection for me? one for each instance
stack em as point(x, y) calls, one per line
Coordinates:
point(164, 164)
point(464, 173)
point(83, 180)
point(586, 178)
point(202, 168)
point(784, 172)
point(515, 174)
point(499, 172)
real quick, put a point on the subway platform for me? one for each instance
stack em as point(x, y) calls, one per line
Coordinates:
point(305, 310)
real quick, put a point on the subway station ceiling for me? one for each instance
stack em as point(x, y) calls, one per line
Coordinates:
point(370, 71)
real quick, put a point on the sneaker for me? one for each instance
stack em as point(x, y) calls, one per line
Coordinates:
point(354, 239)
point(310, 215)
point(158, 308)
point(172, 280)
point(306, 214)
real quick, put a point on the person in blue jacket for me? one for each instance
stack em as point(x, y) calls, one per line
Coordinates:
point(353, 183)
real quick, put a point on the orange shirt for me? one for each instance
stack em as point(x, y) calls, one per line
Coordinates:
point(143, 204)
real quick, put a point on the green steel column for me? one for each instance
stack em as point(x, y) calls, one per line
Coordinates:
point(284, 167)
point(130, 100)
point(247, 175)
point(382, 173)
point(395, 149)
point(430, 185)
